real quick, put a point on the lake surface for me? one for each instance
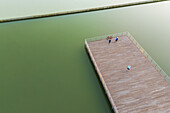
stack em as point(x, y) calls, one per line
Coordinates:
point(45, 67)
point(23, 8)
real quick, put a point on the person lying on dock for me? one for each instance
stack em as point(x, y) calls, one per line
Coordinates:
point(128, 68)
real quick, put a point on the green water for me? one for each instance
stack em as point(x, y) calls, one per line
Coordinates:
point(23, 8)
point(44, 67)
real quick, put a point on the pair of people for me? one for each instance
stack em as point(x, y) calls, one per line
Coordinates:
point(111, 40)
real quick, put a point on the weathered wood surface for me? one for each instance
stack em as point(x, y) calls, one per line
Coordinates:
point(140, 90)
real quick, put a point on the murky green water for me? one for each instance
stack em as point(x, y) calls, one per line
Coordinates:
point(44, 67)
point(23, 8)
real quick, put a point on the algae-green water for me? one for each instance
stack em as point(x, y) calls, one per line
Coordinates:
point(44, 67)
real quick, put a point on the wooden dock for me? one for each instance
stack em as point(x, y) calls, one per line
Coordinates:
point(140, 90)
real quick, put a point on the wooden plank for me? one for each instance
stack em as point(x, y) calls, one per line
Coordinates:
point(141, 89)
